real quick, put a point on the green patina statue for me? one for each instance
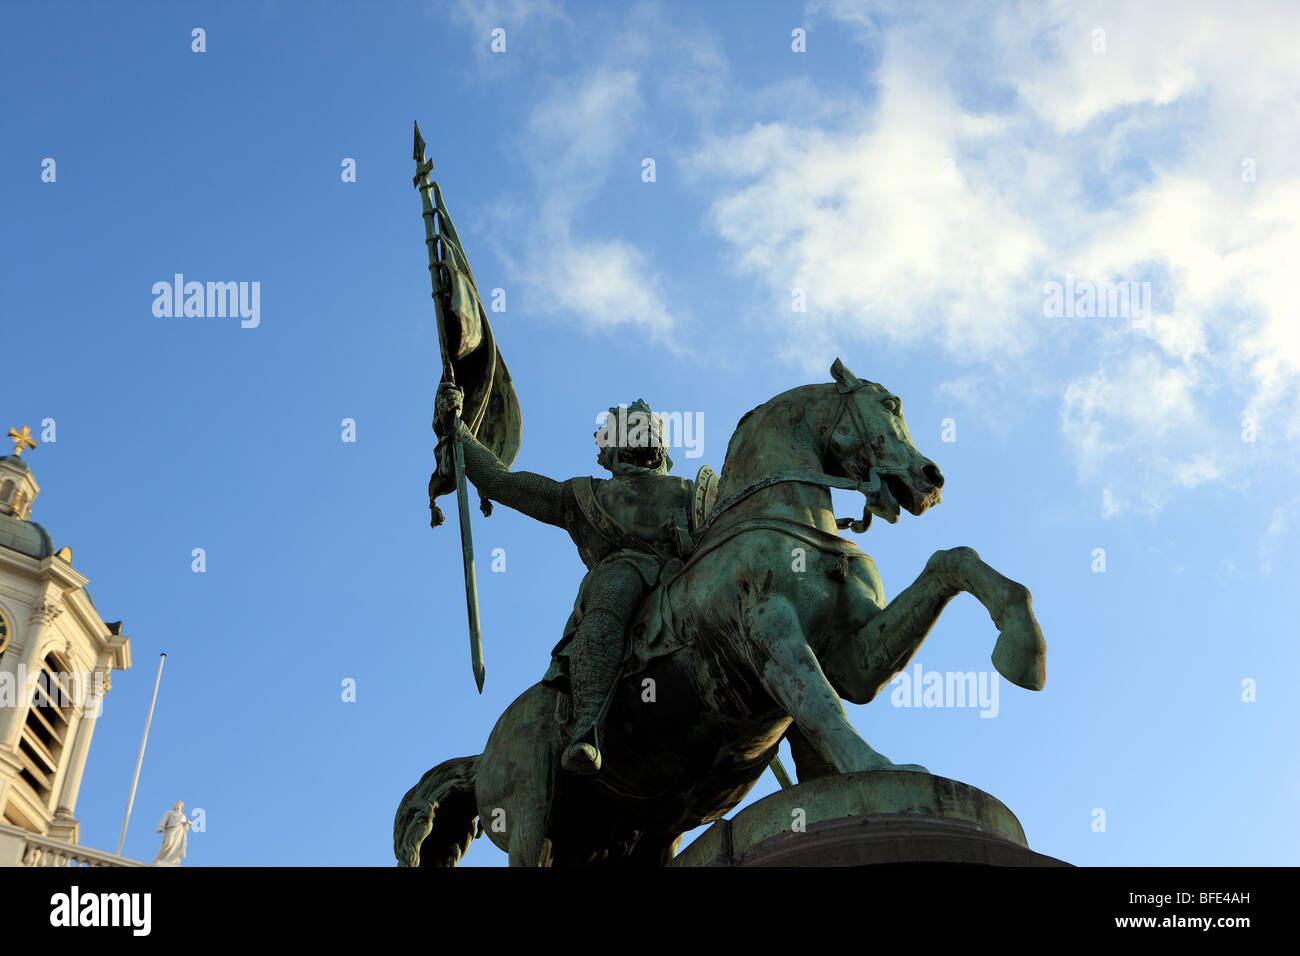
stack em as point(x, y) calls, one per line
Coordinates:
point(716, 618)
point(627, 529)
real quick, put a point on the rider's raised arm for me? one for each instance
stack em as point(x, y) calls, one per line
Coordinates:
point(535, 495)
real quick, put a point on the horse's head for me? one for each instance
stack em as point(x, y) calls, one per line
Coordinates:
point(869, 442)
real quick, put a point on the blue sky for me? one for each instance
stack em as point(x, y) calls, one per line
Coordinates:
point(920, 174)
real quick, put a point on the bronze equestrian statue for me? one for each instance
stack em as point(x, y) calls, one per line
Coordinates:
point(748, 618)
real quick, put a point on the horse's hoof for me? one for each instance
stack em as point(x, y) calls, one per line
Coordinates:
point(581, 758)
point(1020, 654)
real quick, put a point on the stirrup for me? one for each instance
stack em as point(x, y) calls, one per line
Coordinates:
point(582, 756)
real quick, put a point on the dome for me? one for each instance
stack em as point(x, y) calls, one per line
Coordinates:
point(15, 460)
point(25, 537)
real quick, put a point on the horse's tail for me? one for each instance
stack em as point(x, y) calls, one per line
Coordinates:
point(435, 821)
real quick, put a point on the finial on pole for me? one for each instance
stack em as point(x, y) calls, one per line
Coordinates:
point(419, 144)
point(422, 166)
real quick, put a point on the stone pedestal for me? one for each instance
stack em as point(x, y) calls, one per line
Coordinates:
point(862, 819)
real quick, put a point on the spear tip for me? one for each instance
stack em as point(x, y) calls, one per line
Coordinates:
point(419, 144)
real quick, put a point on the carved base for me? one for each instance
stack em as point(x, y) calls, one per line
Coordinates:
point(863, 819)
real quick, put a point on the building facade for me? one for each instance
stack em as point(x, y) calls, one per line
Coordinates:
point(57, 655)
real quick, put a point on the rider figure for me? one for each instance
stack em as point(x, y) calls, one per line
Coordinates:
point(626, 528)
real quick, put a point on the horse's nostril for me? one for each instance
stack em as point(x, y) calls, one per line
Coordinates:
point(933, 475)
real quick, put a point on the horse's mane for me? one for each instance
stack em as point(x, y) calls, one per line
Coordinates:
point(736, 431)
point(731, 443)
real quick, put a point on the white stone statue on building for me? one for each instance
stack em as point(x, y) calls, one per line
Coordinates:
point(175, 829)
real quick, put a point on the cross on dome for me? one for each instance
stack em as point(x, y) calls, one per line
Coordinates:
point(22, 439)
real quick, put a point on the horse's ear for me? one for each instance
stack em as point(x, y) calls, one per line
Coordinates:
point(841, 374)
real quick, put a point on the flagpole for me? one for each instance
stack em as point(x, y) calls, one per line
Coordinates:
point(422, 183)
point(140, 760)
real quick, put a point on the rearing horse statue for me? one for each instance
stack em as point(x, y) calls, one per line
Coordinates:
point(772, 622)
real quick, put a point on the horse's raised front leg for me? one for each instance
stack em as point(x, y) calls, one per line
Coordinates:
point(789, 671)
point(892, 637)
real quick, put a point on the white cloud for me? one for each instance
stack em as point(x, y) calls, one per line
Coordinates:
point(987, 151)
point(1280, 523)
point(574, 135)
point(1139, 419)
point(1122, 164)
point(884, 230)
point(574, 138)
point(1080, 61)
point(576, 129)
point(602, 283)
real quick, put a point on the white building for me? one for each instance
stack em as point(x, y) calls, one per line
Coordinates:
point(56, 658)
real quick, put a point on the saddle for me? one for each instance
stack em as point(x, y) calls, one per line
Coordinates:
point(649, 632)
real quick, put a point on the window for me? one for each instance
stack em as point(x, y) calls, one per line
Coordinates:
point(44, 732)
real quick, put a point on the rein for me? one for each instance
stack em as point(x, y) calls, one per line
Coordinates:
point(780, 477)
point(795, 529)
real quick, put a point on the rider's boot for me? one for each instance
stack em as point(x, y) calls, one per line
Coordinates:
point(594, 659)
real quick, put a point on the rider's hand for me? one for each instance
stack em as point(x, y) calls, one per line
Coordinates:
point(448, 404)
